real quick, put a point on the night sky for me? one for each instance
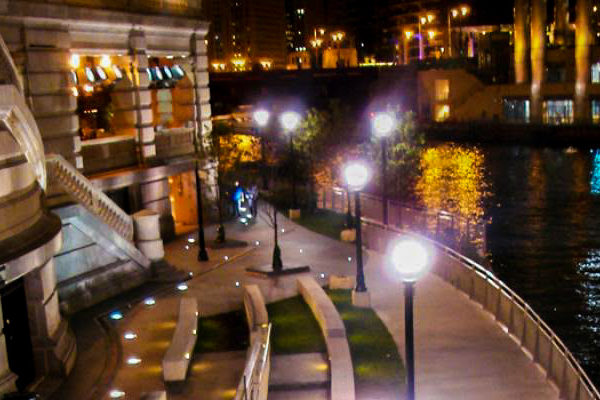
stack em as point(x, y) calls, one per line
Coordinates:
point(492, 11)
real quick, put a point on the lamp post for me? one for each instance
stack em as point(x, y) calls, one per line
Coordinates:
point(202, 254)
point(383, 125)
point(289, 122)
point(407, 36)
point(411, 260)
point(261, 119)
point(357, 176)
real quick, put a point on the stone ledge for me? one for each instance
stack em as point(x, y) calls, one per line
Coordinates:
point(334, 332)
point(177, 359)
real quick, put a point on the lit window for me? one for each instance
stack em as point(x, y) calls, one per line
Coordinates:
point(596, 111)
point(167, 72)
point(117, 71)
point(558, 112)
point(596, 73)
point(74, 78)
point(101, 73)
point(516, 110)
point(177, 71)
point(442, 89)
point(442, 112)
point(149, 74)
point(89, 74)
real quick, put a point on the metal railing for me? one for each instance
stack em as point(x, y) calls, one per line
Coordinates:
point(254, 383)
point(519, 320)
point(457, 232)
point(76, 185)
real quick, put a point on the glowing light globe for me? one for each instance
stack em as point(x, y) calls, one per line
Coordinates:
point(289, 120)
point(261, 117)
point(383, 124)
point(411, 260)
point(356, 175)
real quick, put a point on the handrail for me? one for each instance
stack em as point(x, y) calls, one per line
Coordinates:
point(436, 222)
point(89, 196)
point(252, 385)
point(564, 370)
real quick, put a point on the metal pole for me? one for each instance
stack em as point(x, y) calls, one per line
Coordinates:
point(360, 276)
point(293, 165)
point(263, 157)
point(202, 254)
point(384, 180)
point(409, 340)
point(349, 222)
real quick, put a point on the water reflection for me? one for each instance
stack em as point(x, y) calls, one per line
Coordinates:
point(595, 180)
point(453, 179)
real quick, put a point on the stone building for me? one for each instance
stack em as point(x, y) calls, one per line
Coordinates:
point(105, 109)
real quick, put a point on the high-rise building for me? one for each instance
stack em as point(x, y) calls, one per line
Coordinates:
point(246, 34)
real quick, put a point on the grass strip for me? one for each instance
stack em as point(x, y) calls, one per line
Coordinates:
point(295, 330)
point(223, 332)
point(325, 222)
point(378, 368)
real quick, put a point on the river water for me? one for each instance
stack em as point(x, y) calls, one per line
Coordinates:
point(543, 238)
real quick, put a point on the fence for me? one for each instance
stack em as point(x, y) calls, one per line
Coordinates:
point(518, 319)
point(254, 384)
point(457, 232)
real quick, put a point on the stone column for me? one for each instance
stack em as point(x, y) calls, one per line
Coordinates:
point(143, 104)
point(538, 52)
point(583, 42)
point(147, 234)
point(203, 124)
point(155, 197)
point(54, 347)
point(520, 40)
point(48, 85)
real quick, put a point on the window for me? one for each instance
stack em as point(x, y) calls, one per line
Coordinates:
point(516, 110)
point(442, 112)
point(596, 111)
point(596, 73)
point(558, 112)
point(442, 89)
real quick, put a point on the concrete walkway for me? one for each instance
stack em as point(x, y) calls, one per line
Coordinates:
point(461, 353)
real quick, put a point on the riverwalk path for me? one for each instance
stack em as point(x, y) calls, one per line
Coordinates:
point(461, 352)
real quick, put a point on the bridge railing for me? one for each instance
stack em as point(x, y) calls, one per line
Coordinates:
point(460, 233)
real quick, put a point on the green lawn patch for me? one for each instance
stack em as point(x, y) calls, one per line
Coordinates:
point(294, 329)
point(377, 364)
point(223, 332)
point(325, 222)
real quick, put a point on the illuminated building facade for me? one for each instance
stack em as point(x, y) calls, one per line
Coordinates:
point(96, 158)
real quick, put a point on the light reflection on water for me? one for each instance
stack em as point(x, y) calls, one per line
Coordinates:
point(544, 238)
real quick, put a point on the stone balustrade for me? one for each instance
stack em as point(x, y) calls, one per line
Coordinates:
point(177, 359)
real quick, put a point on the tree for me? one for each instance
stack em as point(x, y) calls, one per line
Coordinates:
point(271, 220)
point(404, 149)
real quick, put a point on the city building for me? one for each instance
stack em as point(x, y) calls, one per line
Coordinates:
point(105, 112)
point(246, 35)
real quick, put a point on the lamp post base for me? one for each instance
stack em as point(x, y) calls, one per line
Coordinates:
point(294, 213)
point(361, 299)
point(348, 235)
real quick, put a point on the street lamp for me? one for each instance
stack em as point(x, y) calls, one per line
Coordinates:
point(289, 121)
point(261, 119)
point(459, 13)
point(356, 175)
point(383, 126)
point(411, 261)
